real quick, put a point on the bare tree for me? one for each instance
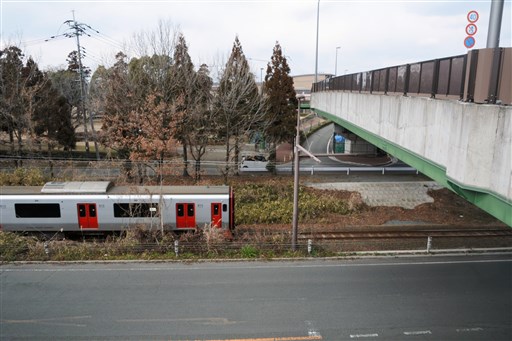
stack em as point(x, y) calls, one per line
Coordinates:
point(153, 136)
point(238, 106)
point(160, 42)
point(200, 117)
point(138, 122)
point(119, 101)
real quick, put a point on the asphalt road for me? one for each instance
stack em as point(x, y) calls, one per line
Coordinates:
point(435, 298)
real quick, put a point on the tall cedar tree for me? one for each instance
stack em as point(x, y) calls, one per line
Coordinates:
point(238, 105)
point(119, 101)
point(51, 112)
point(97, 91)
point(182, 89)
point(281, 101)
point(66, 83)
point(150, 75)
point(200, 117)
point(12, 107)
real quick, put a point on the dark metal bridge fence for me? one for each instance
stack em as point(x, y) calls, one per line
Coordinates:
point(465, 77)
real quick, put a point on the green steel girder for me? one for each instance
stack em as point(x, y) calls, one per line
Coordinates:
point(493, 203)
point(305, 105)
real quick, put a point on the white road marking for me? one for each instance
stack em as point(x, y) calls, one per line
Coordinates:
point(312, 331)
point(358, 336)
point(251, 266)
point(216, 321)
point(56, 321)
point(418, 332)
point(469, 330)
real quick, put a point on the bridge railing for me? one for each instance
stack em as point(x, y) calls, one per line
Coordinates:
point(481, 76)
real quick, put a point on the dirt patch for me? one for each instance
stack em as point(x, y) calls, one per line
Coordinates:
point(448, 209)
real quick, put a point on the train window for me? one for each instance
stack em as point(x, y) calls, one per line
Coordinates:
point(190, 210)
point(121, 210)
point(81, 210)
point(37, 210)
point(92, 210)
point(216, 209)
point(180, 210)
point(139, 210)
point(224, 208)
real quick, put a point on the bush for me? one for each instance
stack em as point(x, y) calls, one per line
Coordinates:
point(22, 177)
point(272, 203)
point(249, 251)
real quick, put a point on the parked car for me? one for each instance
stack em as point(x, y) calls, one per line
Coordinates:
point(253, 163)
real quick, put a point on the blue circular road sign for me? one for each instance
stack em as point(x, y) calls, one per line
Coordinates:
point(469, 42)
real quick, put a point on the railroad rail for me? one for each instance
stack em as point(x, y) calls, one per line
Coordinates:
point(401, 234)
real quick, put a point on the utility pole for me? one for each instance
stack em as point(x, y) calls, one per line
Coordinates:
point(79, 29)
point(493, 34)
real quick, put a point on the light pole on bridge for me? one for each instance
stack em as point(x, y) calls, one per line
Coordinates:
point(336, 62)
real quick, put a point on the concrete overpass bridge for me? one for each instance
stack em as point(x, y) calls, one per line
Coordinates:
point(450, 118)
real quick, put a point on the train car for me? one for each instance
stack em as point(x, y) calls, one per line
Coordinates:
point(100, 207)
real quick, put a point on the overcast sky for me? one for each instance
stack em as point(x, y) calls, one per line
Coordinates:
point(370, 34)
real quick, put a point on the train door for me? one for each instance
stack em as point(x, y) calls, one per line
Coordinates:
point(185, 215)
point(216, 215)
point(87, 216)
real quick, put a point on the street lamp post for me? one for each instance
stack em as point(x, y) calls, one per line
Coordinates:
point(317, 29)
point(336, 62)
point(261, 80)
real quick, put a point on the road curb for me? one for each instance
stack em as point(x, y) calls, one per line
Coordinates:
point(348, 256)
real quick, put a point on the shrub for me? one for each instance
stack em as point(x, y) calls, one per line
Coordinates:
point(249, 251)
point(272, 203)
point(22, 177)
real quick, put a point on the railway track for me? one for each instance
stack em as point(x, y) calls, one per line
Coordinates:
point(401, 234)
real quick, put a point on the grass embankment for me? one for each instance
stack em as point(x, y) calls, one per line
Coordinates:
point(267, 203)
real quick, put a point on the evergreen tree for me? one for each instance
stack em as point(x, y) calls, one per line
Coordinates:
point(182, 93)
point(281, 101)
point(199, 117)
point(52, 119)
point(12, 106)
point(30, 107)
point(116, 129)
point(97, 91)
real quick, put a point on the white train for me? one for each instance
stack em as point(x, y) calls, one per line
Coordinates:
point(101, 206)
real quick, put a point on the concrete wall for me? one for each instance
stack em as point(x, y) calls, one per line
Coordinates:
point(471, 141)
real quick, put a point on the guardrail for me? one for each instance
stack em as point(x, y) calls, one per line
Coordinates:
point(326, 169)
point(481, 76)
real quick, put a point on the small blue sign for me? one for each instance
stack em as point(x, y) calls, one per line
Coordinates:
point(469, 42)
